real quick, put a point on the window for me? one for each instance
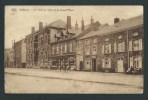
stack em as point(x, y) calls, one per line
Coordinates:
point(136, 45)
point(120, 37)
point(121, 47)
point(135, 34)
point(87, 42)
point(65, 47)
point(94, 49)
point(80, 43)
point(61, 48)
point(87, 63)
point(57, 49)
point(70, 47)
point(106, 49)
point(115, 47)
point(94, 40)
point(106, 39)
point(136, 62)
point(106, 63)
point(79, 50)
point(87, 50)
point(52, 49)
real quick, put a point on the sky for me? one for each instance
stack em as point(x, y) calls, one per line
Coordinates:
point(20, 19)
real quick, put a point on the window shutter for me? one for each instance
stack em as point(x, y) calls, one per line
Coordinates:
point(102, 49)
point(130, 46)
point(140, 44)
point(109, 48)
point(140, 62)
point(131, 62)
point(115, 47)
point(65, 48)
point(109, 63)
point(103, 63)
point(123, 46)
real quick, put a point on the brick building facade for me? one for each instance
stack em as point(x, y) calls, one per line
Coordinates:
point(117, 47)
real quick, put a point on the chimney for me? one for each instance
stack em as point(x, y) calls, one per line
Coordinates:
point(69, 22)
point(116, 20)
point(32, 29)
point(76, 25)
point(91, 20)
point(40, 25)
point(82, 24)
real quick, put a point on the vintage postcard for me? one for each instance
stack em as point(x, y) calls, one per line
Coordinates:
point(74, 49)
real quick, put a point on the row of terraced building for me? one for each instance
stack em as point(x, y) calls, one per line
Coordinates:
point(93, 47)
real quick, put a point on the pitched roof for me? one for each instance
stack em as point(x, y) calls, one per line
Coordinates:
point(58, 23)
point(123, 24)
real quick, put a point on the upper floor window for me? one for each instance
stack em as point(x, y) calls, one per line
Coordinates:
point(120, 37)
point(70, 47)
point(52, 49)
point(94, 40)
point(79, 49)
point(136, 45)
point(87, 42)
point(57, 49)
point(94, 49)
point(106, 49)
point(87, 50)
point(80, 43)
point(65, 47)
point(106, 39)
point(135, 34)
point(121, 47)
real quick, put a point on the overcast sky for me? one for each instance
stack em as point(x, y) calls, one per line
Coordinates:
point(20, 19)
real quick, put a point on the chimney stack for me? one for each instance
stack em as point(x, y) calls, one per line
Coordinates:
point(82, 24)
point(76, 25)
point(116, 20)
point(40, 25)
point(32, 29)
point(69, 22)
point(92, 20)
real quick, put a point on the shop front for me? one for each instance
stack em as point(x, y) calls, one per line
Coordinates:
point(63, 62)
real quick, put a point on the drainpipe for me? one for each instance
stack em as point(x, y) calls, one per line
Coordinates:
point(128, 48)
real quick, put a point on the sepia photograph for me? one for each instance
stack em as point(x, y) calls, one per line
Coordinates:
point(70, 49)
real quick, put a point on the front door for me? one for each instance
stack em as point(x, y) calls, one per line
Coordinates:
point(81, 65)
point(93, 64)
point(120, 65)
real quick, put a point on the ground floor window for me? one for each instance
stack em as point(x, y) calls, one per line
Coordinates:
point(106, 63)
point(54, 62)
point(136, 62)
point(87, 63)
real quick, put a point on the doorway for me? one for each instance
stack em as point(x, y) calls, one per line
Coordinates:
point(93, 64)
point(120, 67)
point(81, 65)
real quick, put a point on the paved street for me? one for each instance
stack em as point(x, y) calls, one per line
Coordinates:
point(55, 81)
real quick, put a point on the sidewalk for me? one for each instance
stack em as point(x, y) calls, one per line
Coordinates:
point(97, 77)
